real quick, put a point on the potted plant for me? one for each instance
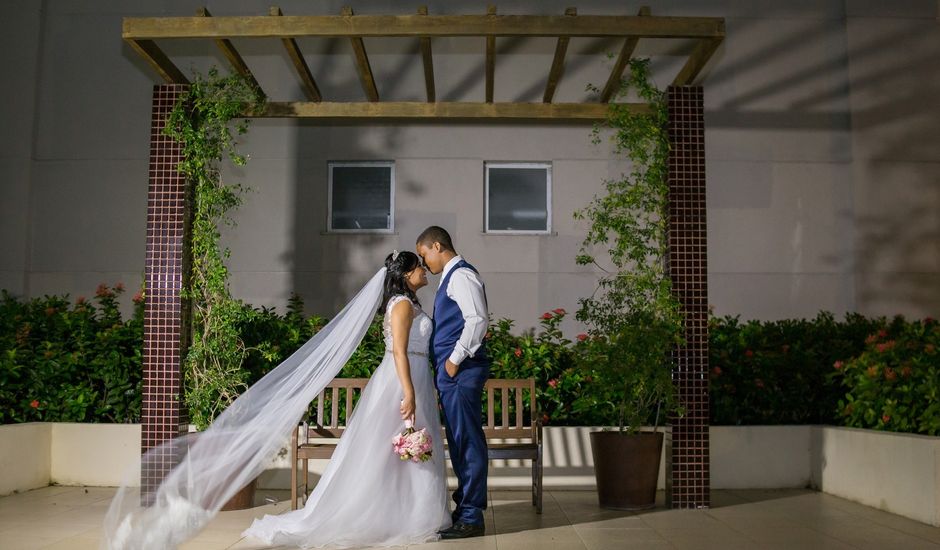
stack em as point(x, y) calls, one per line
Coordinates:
point(633, 318)
point(212, 369)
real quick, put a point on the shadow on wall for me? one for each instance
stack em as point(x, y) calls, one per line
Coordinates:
point(873, 87)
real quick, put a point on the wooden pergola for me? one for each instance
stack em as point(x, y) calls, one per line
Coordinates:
point(168, 216)
point(143, 35)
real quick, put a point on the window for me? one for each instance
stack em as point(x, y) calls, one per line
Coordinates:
point(361, 197)
point(518, 197)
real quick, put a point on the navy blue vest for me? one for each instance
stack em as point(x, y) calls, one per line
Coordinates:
point(449, 323)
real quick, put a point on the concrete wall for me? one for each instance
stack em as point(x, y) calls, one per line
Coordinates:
point(95, 454)
point(898, 473)
point(821, 140)
point(878, 469)
point(25, 456)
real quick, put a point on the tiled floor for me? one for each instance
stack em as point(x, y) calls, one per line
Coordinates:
point(70, 517)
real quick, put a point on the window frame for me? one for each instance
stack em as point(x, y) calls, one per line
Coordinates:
point(547, 166)
point(390, 230)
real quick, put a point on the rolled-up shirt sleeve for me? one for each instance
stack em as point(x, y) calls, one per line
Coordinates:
point(466, 289)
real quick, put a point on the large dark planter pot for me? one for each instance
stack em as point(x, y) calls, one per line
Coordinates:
point(243, 499)
point(627, 468)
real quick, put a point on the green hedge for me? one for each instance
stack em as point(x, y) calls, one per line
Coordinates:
point(70, 362)
point(80, 362)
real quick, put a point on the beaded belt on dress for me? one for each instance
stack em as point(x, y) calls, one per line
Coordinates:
point(418, 353)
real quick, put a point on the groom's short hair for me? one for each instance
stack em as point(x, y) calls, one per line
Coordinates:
point(435, 234)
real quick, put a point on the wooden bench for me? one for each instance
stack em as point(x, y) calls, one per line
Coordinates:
point(318, 440)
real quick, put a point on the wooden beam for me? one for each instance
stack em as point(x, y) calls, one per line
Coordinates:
point(490, 57)
point(422, 25)
point(427, 60)
point(558, 63)
point(613, 81)
point(700, 55)
point(362, 61)
point(311, 89)
point(230, 53)
point(149, 50)
point(442, 110)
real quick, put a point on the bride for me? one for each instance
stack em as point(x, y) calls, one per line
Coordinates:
point(367, 496)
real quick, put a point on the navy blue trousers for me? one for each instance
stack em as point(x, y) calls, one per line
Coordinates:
point(462, 402)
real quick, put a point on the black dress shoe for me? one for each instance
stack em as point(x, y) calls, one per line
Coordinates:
point(463, 530)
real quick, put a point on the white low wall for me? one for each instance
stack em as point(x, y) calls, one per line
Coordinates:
point(899, 473)
point(25, 456)
point(102, 455)
point(760, 457)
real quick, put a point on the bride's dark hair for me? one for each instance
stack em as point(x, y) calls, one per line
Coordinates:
point(395, 283)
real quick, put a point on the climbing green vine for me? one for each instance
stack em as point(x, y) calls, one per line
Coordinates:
point(202, 122)
point(633, 309)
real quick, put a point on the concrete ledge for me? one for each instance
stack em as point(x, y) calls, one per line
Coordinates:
point(898, 473)
point(894, 472)
point(95, 454)
point(25, 456)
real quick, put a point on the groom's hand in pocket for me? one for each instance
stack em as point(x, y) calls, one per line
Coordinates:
point(451, 368)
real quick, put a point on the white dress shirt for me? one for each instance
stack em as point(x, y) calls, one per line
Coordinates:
point(466, 288)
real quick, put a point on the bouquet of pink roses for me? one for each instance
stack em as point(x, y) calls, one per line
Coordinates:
point(411, 444)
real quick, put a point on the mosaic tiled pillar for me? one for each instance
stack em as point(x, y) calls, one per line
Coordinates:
point(163, 416)
point(687, 476)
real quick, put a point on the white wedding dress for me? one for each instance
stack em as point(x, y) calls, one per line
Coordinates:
point(367, 496)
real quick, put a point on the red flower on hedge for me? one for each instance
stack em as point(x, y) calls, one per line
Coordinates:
point(890, 374)
point(785, 348)
point(872, 371)
point(928, 320)
point(716, 371)
point(518, 352)
point(882, 333)
point(34, 404)
point(553, 382)
point(885, 346)
point(929, 348)
point(50, 311)
point(103, 291)
point(139, 297)
point(119, 287)
point(838, 365)
point(885, 418)
point(582, 337)
point(749, 353)
point(871, 339)
point(547, 315)
point(80, 301)
point(559, 311)
point(906, 372)
point(758, 382)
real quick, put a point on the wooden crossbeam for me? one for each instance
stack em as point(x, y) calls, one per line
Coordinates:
point(230, 53)
point(693, 66)
point(416, 26)
point(613, 82)
point(558, 63)
point(490, 57)
point(427, 60)
point(439, 110)
point(311, 89)
point(149, 50)
point(362, 61)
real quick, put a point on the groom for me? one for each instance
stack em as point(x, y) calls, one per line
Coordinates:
point(462, 367)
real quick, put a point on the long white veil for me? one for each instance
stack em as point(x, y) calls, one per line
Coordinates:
point(216, 463)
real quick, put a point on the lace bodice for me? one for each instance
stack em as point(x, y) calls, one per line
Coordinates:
point(420, 336)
